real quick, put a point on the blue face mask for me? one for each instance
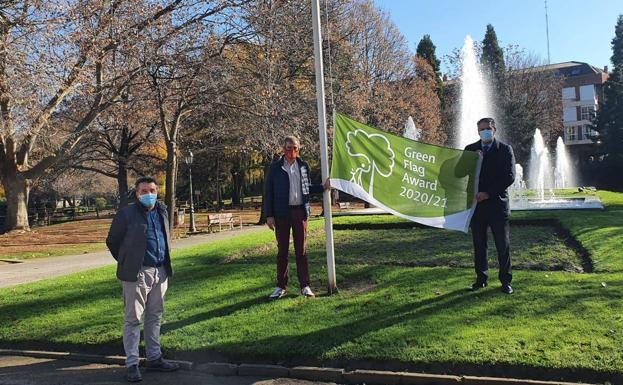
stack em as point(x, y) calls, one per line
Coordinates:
point(148, 200)
point(486, 135)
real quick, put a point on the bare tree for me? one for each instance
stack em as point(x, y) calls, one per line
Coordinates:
point(179, 79)
point(61, 51)
point(385, 82)
point(273, 88)
point(123, 139)
point(530, 100)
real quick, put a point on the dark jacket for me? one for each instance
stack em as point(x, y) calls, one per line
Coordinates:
point(496, 174)
point(127, 240)
point(277, 191)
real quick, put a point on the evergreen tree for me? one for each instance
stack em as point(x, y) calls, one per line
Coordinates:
point(609, 122)
point(426, 50)
point(492, 58)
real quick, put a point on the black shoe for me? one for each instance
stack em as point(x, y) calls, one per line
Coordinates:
point(161, 365)
point(133, 374)
point(507, 289)
point(478, 285)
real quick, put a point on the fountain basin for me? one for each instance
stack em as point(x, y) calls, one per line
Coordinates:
point(582, 203)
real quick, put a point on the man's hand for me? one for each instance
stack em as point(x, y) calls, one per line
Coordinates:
point(482, 196)
point(327, 184)
point(270, 222)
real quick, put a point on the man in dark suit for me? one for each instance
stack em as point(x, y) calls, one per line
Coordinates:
point(496, 174)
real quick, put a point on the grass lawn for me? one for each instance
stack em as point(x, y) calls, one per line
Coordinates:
point(402, 302)
point(89, 235)
point(53, 251)
point(67, 238)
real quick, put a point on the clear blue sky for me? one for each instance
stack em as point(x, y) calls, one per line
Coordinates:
point(578, 30)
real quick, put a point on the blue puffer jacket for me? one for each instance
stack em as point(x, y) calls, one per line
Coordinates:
point(277, 193)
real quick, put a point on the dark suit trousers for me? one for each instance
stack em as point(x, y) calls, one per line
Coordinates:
point(297, 221)
point(501, 235)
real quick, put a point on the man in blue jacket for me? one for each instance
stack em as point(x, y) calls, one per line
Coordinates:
point(492, 211)
point(140, 240)
point(286, 205)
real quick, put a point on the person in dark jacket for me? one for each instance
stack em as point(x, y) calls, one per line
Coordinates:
point(140, 239)
point(497, 173)
point(286, 206)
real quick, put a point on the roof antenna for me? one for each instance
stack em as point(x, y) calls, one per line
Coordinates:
point(547, 32)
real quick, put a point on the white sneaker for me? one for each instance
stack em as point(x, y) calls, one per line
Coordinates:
point(307, 292)
point(277, 293)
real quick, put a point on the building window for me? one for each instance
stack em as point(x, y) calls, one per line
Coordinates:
point(568, 93)
point(587, 92)
point(570, 134)
point(588, 133)
point(570, 114)
point(587, 112)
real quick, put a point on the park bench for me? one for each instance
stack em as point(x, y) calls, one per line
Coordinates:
point(344, 205)
point(220, 220)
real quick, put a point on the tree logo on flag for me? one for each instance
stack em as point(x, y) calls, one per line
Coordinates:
point(359, 143)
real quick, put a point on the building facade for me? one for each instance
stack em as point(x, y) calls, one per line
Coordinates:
point(581, 94)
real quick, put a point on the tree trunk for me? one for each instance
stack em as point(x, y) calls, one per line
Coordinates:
point(235, 190)
point(335, 196)
point(122, 183)
point(267, 163)
point(219, 197)
point(16, 189)
point(171, 180)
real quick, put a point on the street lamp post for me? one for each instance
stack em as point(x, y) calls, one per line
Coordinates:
point(189, 161)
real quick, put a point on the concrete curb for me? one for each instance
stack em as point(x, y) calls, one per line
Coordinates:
point(255, 370)
point(301, 372)
point(363, 376)
point(312, 373)
point(218, 369)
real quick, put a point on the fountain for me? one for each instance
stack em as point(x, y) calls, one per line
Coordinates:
point(476, 104)
point(541, 179)
point(563, 174)
point(475, 101)
point(540, 166)
point(411, 132)
point(520, 183)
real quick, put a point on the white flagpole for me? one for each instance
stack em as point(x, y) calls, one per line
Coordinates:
point(324, 157)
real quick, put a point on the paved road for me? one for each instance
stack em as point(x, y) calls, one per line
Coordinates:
point(40, 371)
point(32, 270)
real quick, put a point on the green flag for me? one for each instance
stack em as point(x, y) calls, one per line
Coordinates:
point(428, 184)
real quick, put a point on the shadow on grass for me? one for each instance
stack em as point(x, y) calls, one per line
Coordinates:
point(219, 312)
point(399, 302)
point(542, 245)
point(48, 298)
point(311, 348)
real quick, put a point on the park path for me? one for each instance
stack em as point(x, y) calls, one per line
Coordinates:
point(32, 270)
point(17, 370)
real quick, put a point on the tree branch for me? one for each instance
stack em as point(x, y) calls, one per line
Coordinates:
point(44, 116)
point(96, 170)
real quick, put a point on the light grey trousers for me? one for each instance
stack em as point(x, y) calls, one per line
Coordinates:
point(145, 297)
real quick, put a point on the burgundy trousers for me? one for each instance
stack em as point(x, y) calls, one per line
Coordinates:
point(297, 221)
